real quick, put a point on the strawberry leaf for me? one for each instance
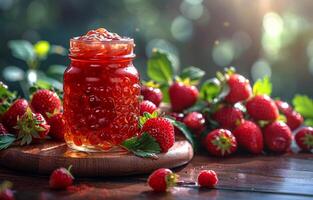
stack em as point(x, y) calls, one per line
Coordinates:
point(186, 132)
point(308, 122)
point(197, 107)
point(143, 146)
point(146, 116)
point(6, 140)
point(160, 67)
point(262, 86)
point(193, 73)
point(303, 105)
point(210, 89)
point(6, 98)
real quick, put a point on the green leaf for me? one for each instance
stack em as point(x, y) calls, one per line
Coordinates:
point(143, 119)
point(262, 86)
point(164, 89)
point(7, 98)
point(309, 122)
point(6, 141)
point(210, 89)
point(193, 73)
point(303, 105)
point(160, 68)
point(186, 132)
point(56, 71)
point(22, 49)
point(143, 146)
point(13, 74)
point(57, 49)
point(197, 107)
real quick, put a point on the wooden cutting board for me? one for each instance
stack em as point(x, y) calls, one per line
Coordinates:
point(44, 158)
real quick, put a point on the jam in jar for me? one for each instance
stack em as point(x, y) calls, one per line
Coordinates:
point(101, 92)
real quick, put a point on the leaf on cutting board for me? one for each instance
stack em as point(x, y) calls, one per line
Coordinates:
point(186, 132)
point(143, 146)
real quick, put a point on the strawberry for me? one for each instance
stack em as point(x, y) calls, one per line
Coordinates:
point(277, 137)
point(228, 117)
point(31, 126)
point(152, 94)
point(162, 130)
point(262, 107)
point(249, 137)
point(57, 124)
point(15, 111)
point(162, 179)
point(5, 191)
point(220, 142)
point(147, 106)
point(195, 122)
point(178, 117)
point(283, 107)
point(3, 130)
point(239, 89)
point(207, 178)
point(294, 119)
point(304, 138)
point(61, 178)
point(182, 96)
point(45, 101)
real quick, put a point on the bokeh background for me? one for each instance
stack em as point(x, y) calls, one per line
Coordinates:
point(259, 37)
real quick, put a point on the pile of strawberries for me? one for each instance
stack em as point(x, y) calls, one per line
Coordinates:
point(24, 122)
point(228, 114)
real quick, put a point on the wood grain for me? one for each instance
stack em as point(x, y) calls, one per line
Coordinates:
point(272, 177)
point(44, 158)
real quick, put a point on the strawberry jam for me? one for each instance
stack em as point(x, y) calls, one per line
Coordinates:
point(101, 92)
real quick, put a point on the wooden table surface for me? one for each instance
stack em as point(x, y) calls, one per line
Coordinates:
point(241, 177)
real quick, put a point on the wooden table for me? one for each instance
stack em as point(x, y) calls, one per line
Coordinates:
point(241, 177)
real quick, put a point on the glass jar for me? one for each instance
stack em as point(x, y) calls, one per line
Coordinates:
point(101, 94)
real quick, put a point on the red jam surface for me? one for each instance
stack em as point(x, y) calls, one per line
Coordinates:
point(101, 91)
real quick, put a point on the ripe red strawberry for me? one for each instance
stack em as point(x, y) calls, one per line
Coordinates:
point(31, 126)
point(5, 191)
point(45, 101)
point(3, 130)
point(178, 117)
point(162, 179)
point(249, 136)
point(17, 109)
point(304, 138)
point(57, 124)
point(239, 89)
point(220, 142)
point(228, 117)
point(6, 194)
point(162, 130)
point(195, 122)
point(207, 178)
point(61, 178)
point(283, 107)
point(294, 119)
point(182, 96)
point(277, 137)
point(147, 106)
point(262, 107)
point(152, 94)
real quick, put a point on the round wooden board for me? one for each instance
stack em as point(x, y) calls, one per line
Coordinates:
point(44, 158)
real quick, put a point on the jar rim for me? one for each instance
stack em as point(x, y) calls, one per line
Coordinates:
point(123, 40)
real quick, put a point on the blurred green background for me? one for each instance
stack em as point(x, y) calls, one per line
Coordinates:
point(259, 37)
